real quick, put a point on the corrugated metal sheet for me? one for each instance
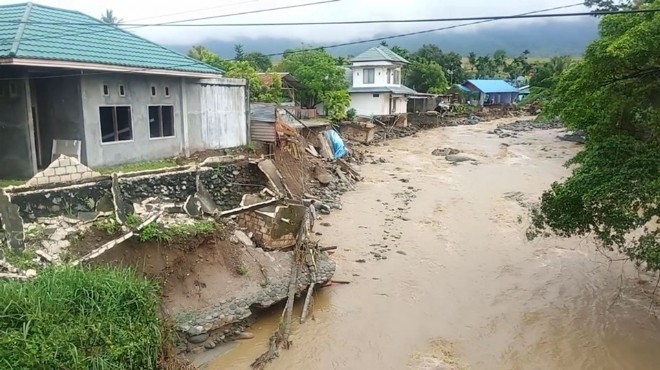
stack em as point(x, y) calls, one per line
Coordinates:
point(224, 121)
point(263, 112)
point(262, 131)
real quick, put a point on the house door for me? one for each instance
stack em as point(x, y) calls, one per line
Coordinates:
point(224, 116)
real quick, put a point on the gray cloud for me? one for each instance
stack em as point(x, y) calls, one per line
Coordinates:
point(152, 11)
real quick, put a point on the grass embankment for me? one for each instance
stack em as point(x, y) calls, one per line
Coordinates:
point(78, 318)
point(139, 166)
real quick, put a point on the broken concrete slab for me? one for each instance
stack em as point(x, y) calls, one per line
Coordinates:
point(193, 207)
point(244, 239)
point(323, 176)
point(206, 199)
point(122, 208)
point(12, 223)
point(274, 177)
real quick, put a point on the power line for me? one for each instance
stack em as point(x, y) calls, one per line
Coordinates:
point(383, 38)
point(420, 20)
point(109, 27)
point(326, 23)
point(193, 11)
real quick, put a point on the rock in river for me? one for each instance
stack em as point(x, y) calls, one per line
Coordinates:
point(456, 158)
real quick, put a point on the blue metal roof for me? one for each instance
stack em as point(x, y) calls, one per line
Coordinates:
point(493, 86)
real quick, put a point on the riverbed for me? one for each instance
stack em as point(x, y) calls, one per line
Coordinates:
point(441, 270)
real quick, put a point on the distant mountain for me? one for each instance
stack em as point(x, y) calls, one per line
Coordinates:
point(543, 40)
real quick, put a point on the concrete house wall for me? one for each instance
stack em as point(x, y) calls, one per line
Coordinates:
point(139, 97)
point(15, 136)
point(59, 114)
point(380, 73)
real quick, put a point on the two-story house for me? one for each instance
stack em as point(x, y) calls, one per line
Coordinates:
point(375, 83)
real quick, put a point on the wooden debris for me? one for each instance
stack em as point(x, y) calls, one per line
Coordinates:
point(310, 290)
point(311, 150)
point(326, 150)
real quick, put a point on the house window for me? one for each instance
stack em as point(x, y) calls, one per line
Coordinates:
point(167, 91)
point(368, 77)
point(389, 76)
point(161, 121)
point(376, 95)
point(397, 77)
point(153, 90)
point(106, 90)
point(122, 90)
point(116, 124)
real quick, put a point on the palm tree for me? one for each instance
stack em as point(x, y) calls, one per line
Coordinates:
point(109, 18)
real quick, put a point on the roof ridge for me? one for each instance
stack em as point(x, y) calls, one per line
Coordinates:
point(142, 38)
point(21, 29)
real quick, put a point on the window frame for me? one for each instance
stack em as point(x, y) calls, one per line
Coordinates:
point(105, 89)
point(396, 79)
point(366, 72)
point(160, 116)
point(166, 91)
point(122, 90)
point(130, 107)
point(154, 91)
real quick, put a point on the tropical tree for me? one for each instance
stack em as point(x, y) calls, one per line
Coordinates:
point(614, 190)
point(239, 54)
point(110, 18)
point(317, 70)
point(258, 60)
point(451, 63)
point(426, 76)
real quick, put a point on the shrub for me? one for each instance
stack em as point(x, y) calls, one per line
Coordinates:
point(77, 318)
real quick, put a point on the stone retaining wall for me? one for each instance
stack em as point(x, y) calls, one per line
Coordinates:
point(226, 182)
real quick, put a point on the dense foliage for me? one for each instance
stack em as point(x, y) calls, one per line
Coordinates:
point(73, 318)
point(242, 68)
point(426, 76)
point(546, 76)
point(317, 71)
point(614, 190)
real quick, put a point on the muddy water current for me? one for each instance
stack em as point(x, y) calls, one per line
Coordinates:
point(460, 280)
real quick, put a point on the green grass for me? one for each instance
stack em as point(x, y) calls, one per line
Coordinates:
point(169, 234)
point(139, 166)
point(78, 318)
point(5, 183)
point(23, 261)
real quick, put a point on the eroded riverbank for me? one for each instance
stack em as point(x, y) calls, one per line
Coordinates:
point(459, 271)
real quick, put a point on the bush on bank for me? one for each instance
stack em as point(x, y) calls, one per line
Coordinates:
point(79, 318)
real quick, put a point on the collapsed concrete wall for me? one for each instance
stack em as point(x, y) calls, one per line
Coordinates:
point(226, 182)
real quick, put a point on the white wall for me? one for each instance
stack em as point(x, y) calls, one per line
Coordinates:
point(368, 105)
point(380, 74)
point(401, 105)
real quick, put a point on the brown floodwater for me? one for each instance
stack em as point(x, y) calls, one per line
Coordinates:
point(465, 277)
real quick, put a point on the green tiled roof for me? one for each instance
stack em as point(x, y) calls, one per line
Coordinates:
point(32, 31)
point(379, 54)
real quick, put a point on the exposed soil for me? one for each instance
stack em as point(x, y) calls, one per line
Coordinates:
point(194, 273)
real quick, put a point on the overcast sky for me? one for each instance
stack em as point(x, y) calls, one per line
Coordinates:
point(154, 11)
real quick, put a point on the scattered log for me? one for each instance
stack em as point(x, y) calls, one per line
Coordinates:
point(310, 290)
point(107, 246)
point(325, 249)
point(311, 150)
point(281, 336)
point(326, 151)
point(340, 282)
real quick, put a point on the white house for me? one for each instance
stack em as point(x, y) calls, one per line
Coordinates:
point(375, 83)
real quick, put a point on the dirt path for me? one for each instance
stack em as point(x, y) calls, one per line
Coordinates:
point(447, 267)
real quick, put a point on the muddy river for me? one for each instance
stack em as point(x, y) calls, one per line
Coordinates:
point(460, 282)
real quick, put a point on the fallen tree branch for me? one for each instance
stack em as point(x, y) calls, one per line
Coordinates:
point(310, 290)
point(281, 336)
